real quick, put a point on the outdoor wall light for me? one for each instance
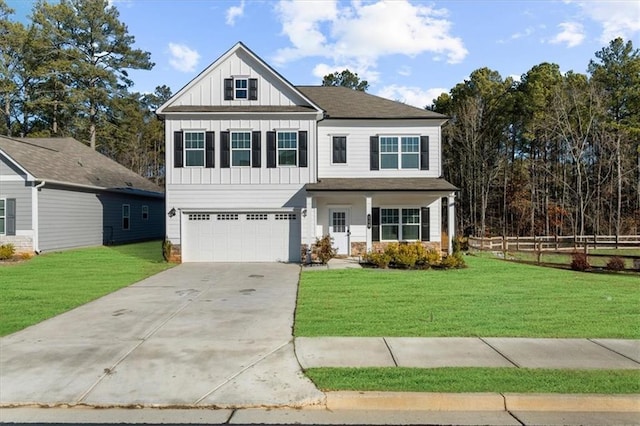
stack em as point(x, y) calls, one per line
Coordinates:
point(369, 221)
point(304, 212)
point(172, 212)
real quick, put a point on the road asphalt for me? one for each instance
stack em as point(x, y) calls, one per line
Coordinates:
point(217, 338)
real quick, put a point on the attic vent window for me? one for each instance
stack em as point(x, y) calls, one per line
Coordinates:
point(240, 88)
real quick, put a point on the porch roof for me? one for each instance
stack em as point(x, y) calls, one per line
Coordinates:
point(382, 184)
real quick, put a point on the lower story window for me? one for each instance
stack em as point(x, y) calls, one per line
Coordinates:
point(2, 216)
point(400, 224)
point(126, 216)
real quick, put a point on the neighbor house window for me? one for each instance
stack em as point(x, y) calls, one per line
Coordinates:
point(399, 152)
point(287, 148)
point(145, 212)
point(241, 149)
point(339, 150)
point(3, 217)
point(241, 88)
point(400, 224)
point(126, 216)
point(194, 149)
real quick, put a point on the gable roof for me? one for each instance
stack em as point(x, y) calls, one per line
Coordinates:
point(168, 106)
point(68, 161)
point(342, 102)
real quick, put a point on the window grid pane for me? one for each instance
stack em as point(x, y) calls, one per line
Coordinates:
point(410, 144)
point(194, 140)
point(389, 144)
point(241, 140)
point(389, 216)
point(287, 140)
point(241, 88)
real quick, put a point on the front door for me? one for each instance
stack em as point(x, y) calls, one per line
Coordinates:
point(339, 230)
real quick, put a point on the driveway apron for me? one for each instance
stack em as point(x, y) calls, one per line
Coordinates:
point(198, 334)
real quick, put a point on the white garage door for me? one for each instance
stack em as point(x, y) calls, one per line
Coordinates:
point(241, 237)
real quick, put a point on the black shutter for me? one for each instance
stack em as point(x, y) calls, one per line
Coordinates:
point(425, 229)
point(339, 150)
point(228, 89)
point(256, 149)
point(10, 214)
point(271, 149)
point(253, 89)
point(424, 152)
point(225, 151)
point(178, 156)
point(375, 224)
point(210, 141)
point(374, 151)
point(302, 148)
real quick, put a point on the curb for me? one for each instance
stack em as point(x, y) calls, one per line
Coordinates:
point(482, 402)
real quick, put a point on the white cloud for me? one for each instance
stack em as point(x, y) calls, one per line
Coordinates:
point(411, 95)
point(183, 58)
point(572, 34)
point(405, 71)
point(361, 33)
point(235, 12)
point(618, 18)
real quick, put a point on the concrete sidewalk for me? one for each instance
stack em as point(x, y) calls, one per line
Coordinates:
point(435, 352)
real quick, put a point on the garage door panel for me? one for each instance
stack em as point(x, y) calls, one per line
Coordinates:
point(242, 237)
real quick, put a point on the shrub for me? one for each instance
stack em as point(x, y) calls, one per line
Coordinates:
point(26, 255)
point(380, 259)
point(579, 262)
point(166, 249)
point(7, 251)
point(453, 261)
point(433, 257)
point(323, 249)
point(616, 263)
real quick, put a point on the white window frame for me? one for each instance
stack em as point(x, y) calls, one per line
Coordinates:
point(346, 150)
point(235, 150)
point(144, 212)
point(244, 89)
point(401, 223)
point(126, 216)
point(191, 149)
point(400, 152)
point(3, 216)
point(279, 150)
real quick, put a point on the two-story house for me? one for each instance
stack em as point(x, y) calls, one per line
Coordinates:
point(257, 168)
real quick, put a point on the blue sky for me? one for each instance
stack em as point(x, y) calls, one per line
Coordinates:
point(408, 50)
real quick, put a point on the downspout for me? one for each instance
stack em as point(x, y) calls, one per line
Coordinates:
point(34, 216)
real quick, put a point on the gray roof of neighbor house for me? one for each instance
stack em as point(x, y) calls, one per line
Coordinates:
point(66, 160)
point(342, 102)
point(381, 184)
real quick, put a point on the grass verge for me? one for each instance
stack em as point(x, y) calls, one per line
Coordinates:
point(491, 298)
point(52, 283)
point(514, 380)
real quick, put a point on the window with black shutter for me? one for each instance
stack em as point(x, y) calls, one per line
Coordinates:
point(225, 150)
point(375, 224)
point(424, 152)
point(302, 148)
point(425, 225)
point(271, 149)
point(253, 89)
point(256, 150)
point(374, 153)
point(178, 149)
point(228, 89)
point(210, 140)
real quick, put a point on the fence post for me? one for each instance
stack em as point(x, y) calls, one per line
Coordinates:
point(556, 238)
point(517, 242)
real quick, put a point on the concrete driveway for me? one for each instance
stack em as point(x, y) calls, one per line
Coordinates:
point(198, 334)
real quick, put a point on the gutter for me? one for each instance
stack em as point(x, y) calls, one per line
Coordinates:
point(102, 188)
point(34, 216)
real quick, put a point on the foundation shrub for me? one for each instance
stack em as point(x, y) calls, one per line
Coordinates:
point(453, 261)
point(7, 251)
point(323, 249)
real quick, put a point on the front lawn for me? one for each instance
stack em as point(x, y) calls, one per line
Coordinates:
point(491, 298)
point(50, 284)
point(513, 380)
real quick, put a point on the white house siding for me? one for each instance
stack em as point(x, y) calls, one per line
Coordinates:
point(209, 90)
point(68, 219)
point(358, 133)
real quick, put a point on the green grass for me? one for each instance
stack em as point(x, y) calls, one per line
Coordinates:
point(50, 284)
point(515, 380)
point(565, 258)
point(491, 298)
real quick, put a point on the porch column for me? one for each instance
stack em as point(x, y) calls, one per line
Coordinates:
point(369, 219)
point(309, 222)
point(451, 219)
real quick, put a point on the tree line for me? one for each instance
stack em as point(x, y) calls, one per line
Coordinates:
point(551, 154)
point(65, 73)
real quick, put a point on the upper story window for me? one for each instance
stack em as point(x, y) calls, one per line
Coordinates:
point(399, 152)
point(194, 149)
point(241, 88)
point(2, 216)
point(339, 150)
point(241, 149)
point(287, 148)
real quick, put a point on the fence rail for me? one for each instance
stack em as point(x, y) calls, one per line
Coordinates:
point(555, 243)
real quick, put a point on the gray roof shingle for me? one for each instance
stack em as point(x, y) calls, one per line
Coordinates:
point(69, 161)
point(381, 184)
point(342, 102)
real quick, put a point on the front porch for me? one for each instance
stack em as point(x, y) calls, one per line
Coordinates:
point(363, 215)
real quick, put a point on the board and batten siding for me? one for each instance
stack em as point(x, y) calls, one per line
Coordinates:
point(209, 90)
point(68, 219)
point(358, 133)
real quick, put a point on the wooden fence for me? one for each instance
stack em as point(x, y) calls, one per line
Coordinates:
point(554, 243)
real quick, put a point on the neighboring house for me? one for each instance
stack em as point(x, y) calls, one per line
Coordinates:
point(257, 168)
point(57, 193)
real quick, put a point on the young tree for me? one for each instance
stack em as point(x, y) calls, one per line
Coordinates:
point(345, 79)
